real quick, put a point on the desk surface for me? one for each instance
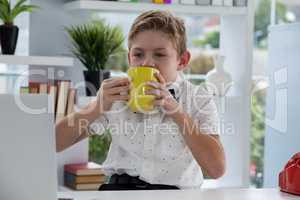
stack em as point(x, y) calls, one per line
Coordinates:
point(205, 194)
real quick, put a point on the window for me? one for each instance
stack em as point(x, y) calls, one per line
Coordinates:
point(286, 11)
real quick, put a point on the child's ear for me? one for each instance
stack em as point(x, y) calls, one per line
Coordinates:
point(184, 60)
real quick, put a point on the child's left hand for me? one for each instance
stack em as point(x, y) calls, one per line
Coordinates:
point(163, 97)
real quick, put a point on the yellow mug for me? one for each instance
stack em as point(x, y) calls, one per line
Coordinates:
point(139, 101)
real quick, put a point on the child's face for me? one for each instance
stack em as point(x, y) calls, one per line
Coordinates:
point(154, 48)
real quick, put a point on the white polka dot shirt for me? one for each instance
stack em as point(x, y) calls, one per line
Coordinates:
point(151, 146)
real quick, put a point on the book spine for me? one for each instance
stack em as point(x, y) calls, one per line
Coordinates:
point(71, 101)
point(63, 89)
point(33, 87)
point(43, 88)
point(24, 90)
point(69, 179)
point(74, 179)
point(89, 168)
point(53, 96)
point(158, 1)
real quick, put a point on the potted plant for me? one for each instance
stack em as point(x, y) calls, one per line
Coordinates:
point(8, 31)
point(93, 44)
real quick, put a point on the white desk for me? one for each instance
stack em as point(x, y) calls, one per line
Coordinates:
point(203, 194)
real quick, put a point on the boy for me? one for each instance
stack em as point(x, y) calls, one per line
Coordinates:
point(168, 149)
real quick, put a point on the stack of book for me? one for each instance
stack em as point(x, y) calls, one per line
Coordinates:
point(84, 176)
point(60, 92)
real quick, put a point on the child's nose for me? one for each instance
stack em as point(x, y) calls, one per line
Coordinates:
point(148, 62)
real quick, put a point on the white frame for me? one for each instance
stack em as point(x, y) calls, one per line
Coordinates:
point(37, 60)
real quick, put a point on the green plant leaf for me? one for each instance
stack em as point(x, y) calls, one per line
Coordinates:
point(19, 3)
point(94, 43)
point(5, 11)
point(8, 14)
point(25, 8)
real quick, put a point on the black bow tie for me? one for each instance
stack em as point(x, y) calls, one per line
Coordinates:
point(172, 92)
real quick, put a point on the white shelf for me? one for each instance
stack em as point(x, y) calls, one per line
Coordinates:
point(112, 6)
point(37, 60)
point(62, 188)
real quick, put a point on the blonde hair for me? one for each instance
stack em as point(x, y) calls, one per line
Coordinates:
point(162, 21)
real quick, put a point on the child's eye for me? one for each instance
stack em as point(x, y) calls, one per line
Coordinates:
point(138, 55)
point(159, 55)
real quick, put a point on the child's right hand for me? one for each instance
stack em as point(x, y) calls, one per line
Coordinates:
point(111, 90)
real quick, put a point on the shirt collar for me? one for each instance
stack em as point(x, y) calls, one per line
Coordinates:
point(176, 85)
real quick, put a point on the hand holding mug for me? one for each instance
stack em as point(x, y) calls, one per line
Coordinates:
point(163, 98)
point(111, 90)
